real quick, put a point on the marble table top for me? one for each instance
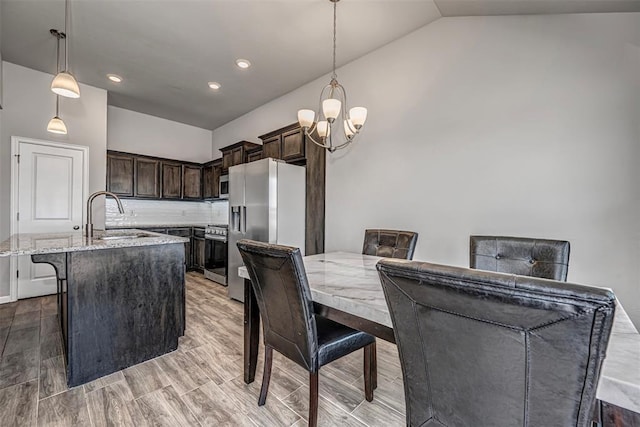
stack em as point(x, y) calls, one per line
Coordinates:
point(35, 243)
point(349, 282)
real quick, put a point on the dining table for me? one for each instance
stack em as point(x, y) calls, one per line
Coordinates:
point(345, 287)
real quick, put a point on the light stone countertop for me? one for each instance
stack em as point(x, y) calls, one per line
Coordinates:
point(349, 282)
point(36, 243)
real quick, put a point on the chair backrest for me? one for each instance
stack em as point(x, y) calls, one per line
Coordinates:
point(280, 284)
point(547, 259)
point(480, 348)
point(390, 243)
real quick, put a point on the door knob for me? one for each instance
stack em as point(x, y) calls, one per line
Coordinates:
point(76, 227)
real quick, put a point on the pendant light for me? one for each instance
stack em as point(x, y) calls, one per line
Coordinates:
point(64, 83)
point(56, 125)
point(333, 110)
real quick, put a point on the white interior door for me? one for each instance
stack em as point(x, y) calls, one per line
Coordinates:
point(51, 183)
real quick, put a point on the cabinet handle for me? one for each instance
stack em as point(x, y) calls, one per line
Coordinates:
point(76, 227)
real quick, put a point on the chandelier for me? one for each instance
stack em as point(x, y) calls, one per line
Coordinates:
point(332, 111)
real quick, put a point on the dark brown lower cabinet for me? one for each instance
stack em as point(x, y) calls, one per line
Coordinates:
point(198, 248)
point(184, 232)
point(615, 416)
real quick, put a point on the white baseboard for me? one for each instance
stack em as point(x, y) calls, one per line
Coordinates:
point(4, 300)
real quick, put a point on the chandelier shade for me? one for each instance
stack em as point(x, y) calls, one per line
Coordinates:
point(333, 111)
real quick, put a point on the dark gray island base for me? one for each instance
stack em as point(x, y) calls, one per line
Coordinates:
point(118, 307)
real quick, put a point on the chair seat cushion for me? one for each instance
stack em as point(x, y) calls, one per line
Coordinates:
point(336, 340)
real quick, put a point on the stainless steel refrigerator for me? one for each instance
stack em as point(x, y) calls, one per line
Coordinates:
point(266, 203)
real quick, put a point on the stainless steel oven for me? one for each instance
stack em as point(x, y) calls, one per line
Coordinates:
point(215, 253)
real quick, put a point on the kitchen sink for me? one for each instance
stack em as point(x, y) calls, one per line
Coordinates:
point(122, 236)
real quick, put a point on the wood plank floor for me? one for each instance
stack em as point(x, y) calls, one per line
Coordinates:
point(199, 384)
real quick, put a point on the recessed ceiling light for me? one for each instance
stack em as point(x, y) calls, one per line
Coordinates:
point(243, 63)
point(214, 85)
point(114, 78)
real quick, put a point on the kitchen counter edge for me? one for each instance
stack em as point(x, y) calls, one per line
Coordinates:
point(49, 243)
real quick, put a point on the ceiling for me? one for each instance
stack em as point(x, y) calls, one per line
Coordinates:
point(167, 50)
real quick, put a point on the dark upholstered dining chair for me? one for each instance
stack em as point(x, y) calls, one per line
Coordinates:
point(290, 326)
point(389, 243)
point(547, 259)
point(480, 348)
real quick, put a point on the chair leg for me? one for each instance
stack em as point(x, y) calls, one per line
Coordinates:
point(374, 366)
point(370, 371)
point(266, 374)
point(313, 399)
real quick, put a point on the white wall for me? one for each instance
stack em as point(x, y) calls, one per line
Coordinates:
point(28, 106)
point(139, 133)
point(521, 125)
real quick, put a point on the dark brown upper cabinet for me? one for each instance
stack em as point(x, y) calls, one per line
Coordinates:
point(255, 154)
point(147, 178)
point(120, 174)
point(217, 172)
point(171, 180)
point(236, 154)
point(271, 147)
point(207, 180)
point(288, 143)
point(191, 182)
point(293, 147)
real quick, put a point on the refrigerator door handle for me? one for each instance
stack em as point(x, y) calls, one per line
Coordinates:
point(244, 220)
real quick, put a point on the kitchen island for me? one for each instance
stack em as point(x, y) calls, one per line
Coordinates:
point(121, 297)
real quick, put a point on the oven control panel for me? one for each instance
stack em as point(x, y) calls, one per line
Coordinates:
point(216, 231)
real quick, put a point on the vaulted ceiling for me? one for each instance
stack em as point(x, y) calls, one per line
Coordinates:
point(167, 51)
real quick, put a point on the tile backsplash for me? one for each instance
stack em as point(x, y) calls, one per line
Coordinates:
point(140, 213)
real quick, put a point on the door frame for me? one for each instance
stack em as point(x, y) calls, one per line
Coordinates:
point(15, 186)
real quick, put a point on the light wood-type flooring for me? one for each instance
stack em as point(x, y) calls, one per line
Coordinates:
point(199, 384)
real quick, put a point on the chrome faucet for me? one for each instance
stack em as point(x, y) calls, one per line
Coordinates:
point(89, 226)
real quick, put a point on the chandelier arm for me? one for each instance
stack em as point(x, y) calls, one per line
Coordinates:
point(341, 146)
point(316, 142)
point(320, 110)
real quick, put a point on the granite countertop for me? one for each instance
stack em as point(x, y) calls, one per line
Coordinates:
point(37, 243)
point(349, 282)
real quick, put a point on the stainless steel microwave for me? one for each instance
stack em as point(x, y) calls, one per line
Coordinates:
point(224, 187)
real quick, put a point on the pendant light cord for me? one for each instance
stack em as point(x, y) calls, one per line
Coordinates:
point(334, 75)
point(57, 34)
point(66, 32)
point(57, 71)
